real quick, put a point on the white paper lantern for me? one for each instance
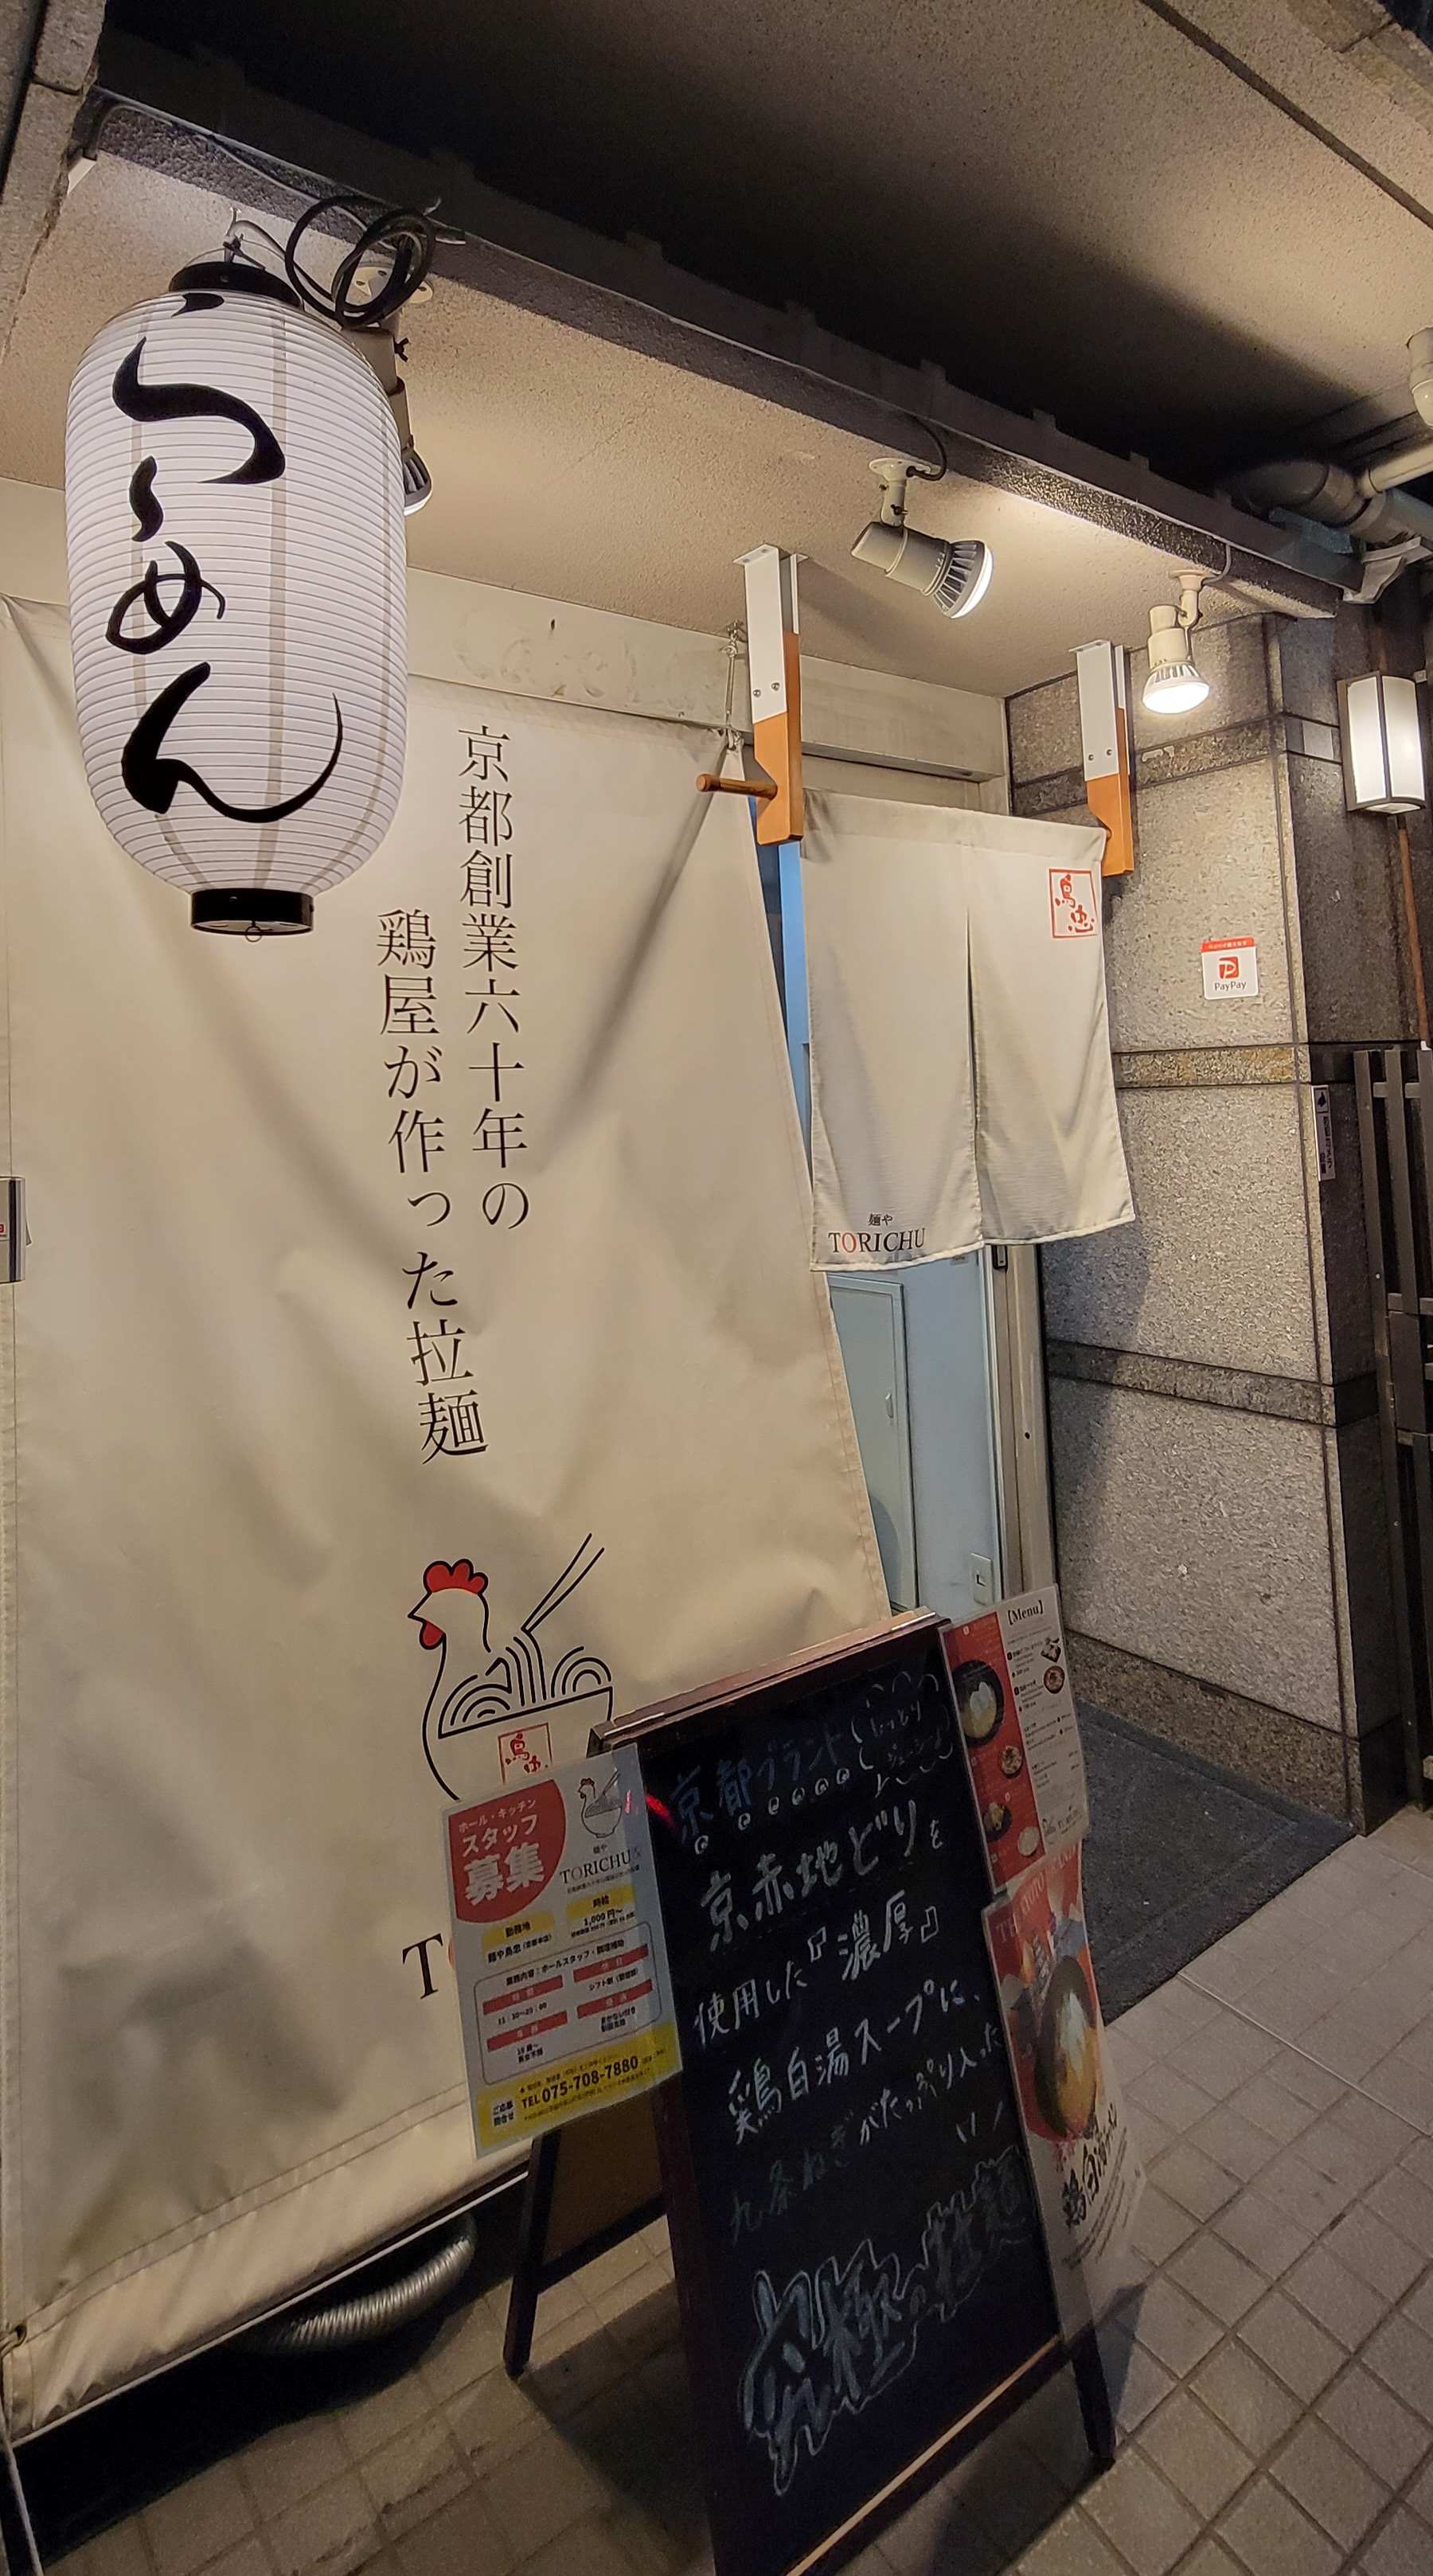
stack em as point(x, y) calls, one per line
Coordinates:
point(238, 604)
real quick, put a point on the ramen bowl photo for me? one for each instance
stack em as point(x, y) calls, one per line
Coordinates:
point(1067, 2052)
point(980, 1700)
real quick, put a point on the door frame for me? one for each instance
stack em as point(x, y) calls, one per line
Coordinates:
point(889, 1285)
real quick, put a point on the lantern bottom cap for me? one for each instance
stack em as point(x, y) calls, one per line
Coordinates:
point(251, 912)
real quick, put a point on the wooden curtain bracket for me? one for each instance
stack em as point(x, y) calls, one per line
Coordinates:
point(1102, 674)
point(710, 785)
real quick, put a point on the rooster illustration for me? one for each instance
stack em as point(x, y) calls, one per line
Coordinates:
point(475, 1687)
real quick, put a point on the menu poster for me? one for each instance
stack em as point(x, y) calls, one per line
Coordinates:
point(1087, 2175)
point(1022, 1738)
point(557, 1943)
point(859, 2254)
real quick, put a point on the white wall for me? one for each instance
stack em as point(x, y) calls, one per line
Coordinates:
point(547, 648)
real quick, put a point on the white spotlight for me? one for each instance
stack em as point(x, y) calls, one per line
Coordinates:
point(955, 575)
point(1174, 685)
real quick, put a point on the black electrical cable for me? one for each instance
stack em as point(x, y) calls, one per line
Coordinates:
point(930, 473)
point(404, 234)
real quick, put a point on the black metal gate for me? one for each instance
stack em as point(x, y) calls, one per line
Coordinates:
point(1394, 1086)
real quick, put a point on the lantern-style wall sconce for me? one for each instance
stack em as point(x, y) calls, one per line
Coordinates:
point(1382, 745)
point(238, 607)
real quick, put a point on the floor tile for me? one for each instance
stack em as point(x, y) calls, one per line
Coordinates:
point(1052, 2427)
point(1172, 2098)
point(1152, 2137)
point(1217, 2277)
point(1407, 2205)
point(1399, 2548)
point(1418, 2157)
point(1072, 2548)
point(1309, 2082)
point(1192, 2179)
point(1137, 2381)
point(1365, 2244)
point(1286, 2001)
point(1311, 2199)
point(1347, 2307)
point(1338, 2152)
point(1405, 2088)
point(1419, 2304)
point(1252, 2405)
point(1006, 2491)
point(331, 2533)
point(1232, 2142)
point(492, 2420)
point(415, 2476)
point(463, 2541)
point(1273, 2537)
point(1271, 2107)
point(539, 2493)
point(1263, 2233)
point(195, 2521)
point(1420, 2495)
point(1170, 2326)
point(1147, 2521)
point(370, 2420)
point(1291, 2345)
point(1369, 2119)
point(290, 2462)
point(466, 2347)
point(928, 2535)
point(1221, 2056)
point(120, 2551)
point(1211, 2558)
point(589, 2548)
point(1401, 2355)
point(1195, 2453)
point(1335, 2489)
point(1370, 2419)
point(1344, 2041)
point(1160, 2226)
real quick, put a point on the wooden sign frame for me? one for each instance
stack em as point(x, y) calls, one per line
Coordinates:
point(686, 1721)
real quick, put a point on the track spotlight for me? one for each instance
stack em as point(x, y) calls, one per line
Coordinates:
point(1174, 685)
point(955, 576)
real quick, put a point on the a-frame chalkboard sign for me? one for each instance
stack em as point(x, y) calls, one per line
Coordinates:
point(862, 2278)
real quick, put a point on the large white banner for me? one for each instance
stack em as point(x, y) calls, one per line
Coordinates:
point(418, 1334)
point(961, 1085)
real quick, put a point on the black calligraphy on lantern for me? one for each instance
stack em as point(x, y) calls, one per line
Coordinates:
point(154, 612)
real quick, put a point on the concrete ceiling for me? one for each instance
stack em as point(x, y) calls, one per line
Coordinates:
point(1183, 230)
point(580, 470)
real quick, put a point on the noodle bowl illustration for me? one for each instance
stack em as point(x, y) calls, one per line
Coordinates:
point(474, 1687)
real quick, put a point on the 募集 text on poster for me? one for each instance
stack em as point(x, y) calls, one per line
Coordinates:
point(557, 1940)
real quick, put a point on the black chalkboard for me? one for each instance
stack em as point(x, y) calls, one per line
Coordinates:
point(861, 2270)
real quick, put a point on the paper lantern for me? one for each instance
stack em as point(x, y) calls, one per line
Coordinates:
point(238, 607)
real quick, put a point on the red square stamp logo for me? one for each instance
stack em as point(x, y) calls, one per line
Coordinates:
point(524, 1752)
point(1074, 905)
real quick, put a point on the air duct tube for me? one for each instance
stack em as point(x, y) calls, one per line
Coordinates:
point(335, 2325)
point(1314, 489)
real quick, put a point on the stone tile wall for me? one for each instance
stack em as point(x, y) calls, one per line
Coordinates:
point(1218, 1497)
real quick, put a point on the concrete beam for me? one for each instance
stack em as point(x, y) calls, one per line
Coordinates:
point(628, 293)
point(47, 51)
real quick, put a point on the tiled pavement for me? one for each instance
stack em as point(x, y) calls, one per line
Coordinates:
point(1274, 2373)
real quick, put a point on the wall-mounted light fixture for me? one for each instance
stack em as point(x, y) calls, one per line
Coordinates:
point(1382, 745)
point(1174, 685)
point(954, 574)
